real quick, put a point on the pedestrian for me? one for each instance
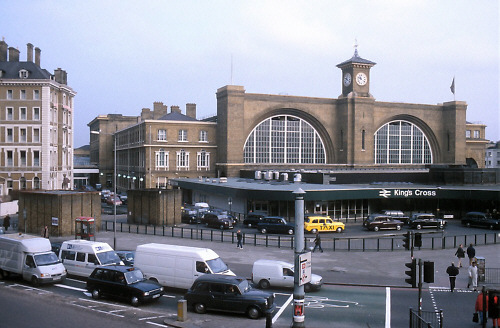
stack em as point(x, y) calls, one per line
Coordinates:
point(473, 276)
point(460, 254)
point(6, 222)
point(471, 253)
point(478, 308)
point(45, 232)
point(317, 243)
point(239, 237)
point(452, 272)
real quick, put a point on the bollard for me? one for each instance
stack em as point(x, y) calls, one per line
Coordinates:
point(181, 310)
point(269, 320)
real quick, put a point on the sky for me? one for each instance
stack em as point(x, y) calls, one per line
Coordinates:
point(121, 56)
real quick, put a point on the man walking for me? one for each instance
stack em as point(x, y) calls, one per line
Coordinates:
point(452, 272)
point(6, 222)
point(471, 253)
point(239, 237)
point(317, 243)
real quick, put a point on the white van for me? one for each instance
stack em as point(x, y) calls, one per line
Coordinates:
point(31, 257)
point(177, 266)
point(81, 257)
point(267, 273)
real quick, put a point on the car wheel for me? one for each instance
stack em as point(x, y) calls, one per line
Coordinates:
point(467, 224)
point(314, 231)
point(134, 301)
point(307, 288)
point(3, 274)
point(34, 281)
point(200, 308)
point(221, 227)
point(398, 227)
point(249, 225)
point(419, 227)
point(375, 228)
point(492, 227)
point(263, 230)
point(290, 231)
point(96, 294)
point(339, 230)
point(253, 312)
point(264, 284)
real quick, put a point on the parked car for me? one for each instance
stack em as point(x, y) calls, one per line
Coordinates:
point(426, 220)
point(224, 212)
point(267, 273)
point(220, 221)
point(315, 223)
point(229, 294)
point(275, 224)
point(253, 218)
point(482, 220)
point(127, 257)
point(378, 222)
point(190, 215)
point(123, 197)
point(114, 200)
point(124, 282)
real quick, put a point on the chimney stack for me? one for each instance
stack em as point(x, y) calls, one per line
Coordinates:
point(3, 51)
point(61, 76)
point(29, 54)
point(13, 54)
point(159, 109)
point(175, 109)
point(191, 110)
point(37, 56)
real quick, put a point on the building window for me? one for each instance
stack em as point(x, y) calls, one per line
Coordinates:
point(10, 158)
point(36, 135)
point(467, 134)
point(284, 139)
point(22, 182)
point(161, 159)
point(22, 135)
point(36, 113)
point(36, 183)
point(476, 134)
point(36, 94)
point(22, 157)
point(23, 94)
point(182, 160)
point(401, 142)
point(162, 135)
point(203, 160)
point(22, 113)
point(203, 136)
point(183, 135)
point(10, 113)
point(363, 133)
point(36, 158)
point(10, 94)
point(10, 135)
point(23, 74)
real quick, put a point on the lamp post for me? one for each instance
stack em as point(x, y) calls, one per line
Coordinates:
point(114, 185)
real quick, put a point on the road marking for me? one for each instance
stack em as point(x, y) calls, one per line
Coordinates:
point(76, 280)
point(157, 324)
point(70, 287)
point(387, 307)
point(278, 314)
point(155, 317)
point(105, 312)
point(169, 296)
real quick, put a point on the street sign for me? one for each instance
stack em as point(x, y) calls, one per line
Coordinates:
point(305, 268)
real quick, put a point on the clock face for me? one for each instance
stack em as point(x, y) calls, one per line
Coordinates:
point(361, 79)
point(347, 79)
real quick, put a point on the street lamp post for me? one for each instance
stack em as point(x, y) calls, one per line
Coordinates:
point(114, 185)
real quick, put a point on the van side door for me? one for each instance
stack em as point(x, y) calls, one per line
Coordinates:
point(29, 267)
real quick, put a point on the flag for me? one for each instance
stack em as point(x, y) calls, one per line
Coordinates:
point(452, 87)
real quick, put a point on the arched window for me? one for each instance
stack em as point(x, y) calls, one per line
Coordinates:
point(284, 139)
point(401, 142)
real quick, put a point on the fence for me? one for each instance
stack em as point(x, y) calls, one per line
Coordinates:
point(492, 275)
point(427, 319)
point(381, 243)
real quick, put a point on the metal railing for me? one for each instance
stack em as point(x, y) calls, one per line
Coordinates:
point(426, 319)
point(492, 275)
point(392, 242)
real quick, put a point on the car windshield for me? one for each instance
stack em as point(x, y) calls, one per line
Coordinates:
point(217, 265)
point(108, 257)
point(244, 286)
point(46, 259)
point(134, 276)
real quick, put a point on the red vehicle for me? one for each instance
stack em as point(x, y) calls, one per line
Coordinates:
point(113, 200)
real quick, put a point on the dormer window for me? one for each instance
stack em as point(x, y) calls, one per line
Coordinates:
point(23, 74)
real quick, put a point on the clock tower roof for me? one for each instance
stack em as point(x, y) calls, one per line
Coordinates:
point(355, 59)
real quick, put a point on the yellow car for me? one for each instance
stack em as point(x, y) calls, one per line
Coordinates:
point(322, 223)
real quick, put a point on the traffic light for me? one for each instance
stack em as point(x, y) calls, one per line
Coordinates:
point(418, 239)
point(407, 240)
point(428, 271)
point(412, 273)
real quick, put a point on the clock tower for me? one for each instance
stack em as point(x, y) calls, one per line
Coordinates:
point(356, 76)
